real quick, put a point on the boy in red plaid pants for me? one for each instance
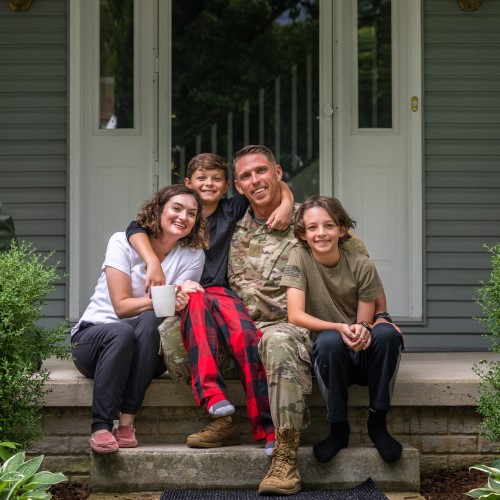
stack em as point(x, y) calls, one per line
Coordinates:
point(215, 317)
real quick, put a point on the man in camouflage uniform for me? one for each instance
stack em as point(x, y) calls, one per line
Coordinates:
point(257, 261)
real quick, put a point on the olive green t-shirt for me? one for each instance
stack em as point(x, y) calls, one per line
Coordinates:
point(332, 294)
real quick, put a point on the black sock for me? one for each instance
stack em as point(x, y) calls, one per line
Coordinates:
point(389, 449)
point(339, 438)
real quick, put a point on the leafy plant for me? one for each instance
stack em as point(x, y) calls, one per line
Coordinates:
point(491, 490)
point(26, 278)
point(489, 372)
point(7, 449)
point(19, 479)
point(489, 300)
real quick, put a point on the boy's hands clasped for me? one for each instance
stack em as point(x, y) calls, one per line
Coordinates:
point(356, 336)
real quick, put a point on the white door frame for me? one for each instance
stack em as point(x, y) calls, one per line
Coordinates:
point(74, 228)
point(331, 66)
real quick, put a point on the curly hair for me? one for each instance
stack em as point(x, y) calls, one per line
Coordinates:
point(334, 209)
point(149, 217)
point(207, 161)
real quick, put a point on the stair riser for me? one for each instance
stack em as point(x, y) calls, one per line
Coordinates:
point(159, 467)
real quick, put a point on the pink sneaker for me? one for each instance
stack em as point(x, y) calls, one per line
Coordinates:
point(103, 442)
point(125, 436)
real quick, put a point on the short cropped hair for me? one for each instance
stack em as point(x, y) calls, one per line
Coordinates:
point(334, 209)
point(149, 217)
point(207, 161)
point(254, 150)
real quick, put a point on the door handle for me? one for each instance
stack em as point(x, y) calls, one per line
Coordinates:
point(414, 103)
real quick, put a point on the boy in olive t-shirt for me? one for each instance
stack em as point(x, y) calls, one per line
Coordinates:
point(332, 293)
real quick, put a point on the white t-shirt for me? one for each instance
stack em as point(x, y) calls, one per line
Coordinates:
point(181, 264)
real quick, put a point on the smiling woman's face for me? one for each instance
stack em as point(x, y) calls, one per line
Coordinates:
point(178, 216)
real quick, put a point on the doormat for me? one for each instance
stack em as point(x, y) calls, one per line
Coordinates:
point(365, 491)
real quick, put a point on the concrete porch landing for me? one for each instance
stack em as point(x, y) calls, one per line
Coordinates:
point(433, 414)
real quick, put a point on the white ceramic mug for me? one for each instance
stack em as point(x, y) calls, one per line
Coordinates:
point(163, 300)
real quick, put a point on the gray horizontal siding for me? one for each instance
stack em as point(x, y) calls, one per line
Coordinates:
point(461, 53)
point(33, 130)
point(462, 154)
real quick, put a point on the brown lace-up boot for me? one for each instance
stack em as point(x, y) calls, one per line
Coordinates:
point(283, 477)
point(221, 432)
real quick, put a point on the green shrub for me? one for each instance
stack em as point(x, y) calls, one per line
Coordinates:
point(489, 372)
point(20, 479)
point(25, 280)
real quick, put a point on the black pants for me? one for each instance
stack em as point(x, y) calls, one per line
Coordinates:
point(122, 358)
point(337, 367)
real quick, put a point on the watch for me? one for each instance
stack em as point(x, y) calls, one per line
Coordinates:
point(383, 315)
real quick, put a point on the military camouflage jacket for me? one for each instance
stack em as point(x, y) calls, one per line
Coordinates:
point(257, 260)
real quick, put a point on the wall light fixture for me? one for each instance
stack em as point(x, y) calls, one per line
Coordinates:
point(469, 5)
point(20, 5)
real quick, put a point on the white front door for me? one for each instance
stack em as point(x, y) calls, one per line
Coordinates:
point(114, 159)
point(373, 166)
point(377, 139)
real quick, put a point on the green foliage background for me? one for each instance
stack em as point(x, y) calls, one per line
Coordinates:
point(26, 277)
point(224, 54)
point(489, 387)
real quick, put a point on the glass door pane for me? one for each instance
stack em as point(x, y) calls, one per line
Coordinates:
point(247, 73)
point(116, 44)
point(374, 64)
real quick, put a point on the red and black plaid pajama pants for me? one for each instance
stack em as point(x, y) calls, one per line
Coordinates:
point(219, 315)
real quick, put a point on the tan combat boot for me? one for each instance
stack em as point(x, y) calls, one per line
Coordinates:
point(221, 432)
point(283, 477)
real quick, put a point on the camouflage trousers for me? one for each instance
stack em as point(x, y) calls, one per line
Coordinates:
point(176, 358)
point(286, 352)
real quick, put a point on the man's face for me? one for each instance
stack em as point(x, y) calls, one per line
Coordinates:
point(258, 179)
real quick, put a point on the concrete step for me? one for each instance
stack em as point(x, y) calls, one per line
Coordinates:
point(433, 410)
point(153, 468)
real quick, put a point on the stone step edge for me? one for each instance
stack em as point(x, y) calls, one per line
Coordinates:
point(424, 379)
point(154, 468)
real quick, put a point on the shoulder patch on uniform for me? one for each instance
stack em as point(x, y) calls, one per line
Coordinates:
point(292, 271)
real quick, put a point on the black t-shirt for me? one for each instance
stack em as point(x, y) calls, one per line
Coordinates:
point(222, 223)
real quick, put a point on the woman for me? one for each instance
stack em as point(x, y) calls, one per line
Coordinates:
point(116, 341)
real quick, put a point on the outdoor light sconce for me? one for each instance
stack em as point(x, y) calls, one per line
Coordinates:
point(469, 5)
point(20, 5)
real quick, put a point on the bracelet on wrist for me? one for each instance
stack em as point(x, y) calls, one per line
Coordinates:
point(366, 325)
